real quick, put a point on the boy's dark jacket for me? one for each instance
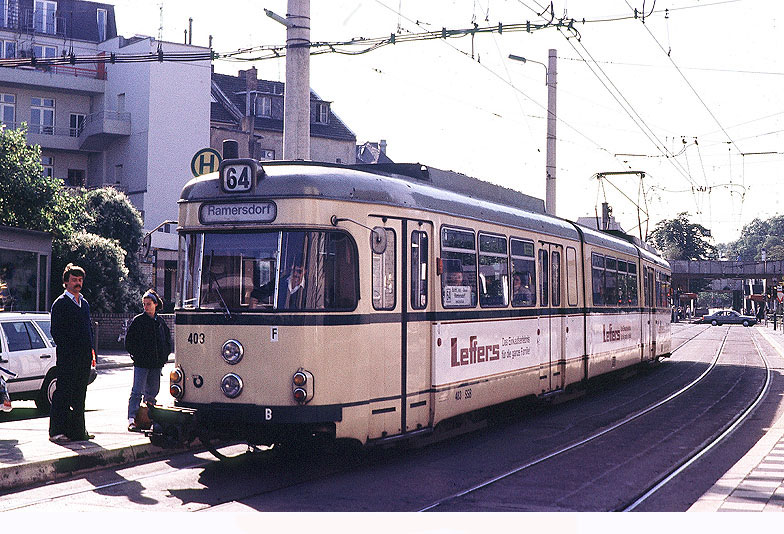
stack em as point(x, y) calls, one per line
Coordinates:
point(148, 340)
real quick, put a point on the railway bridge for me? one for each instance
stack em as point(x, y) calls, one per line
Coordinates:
point(748, 280)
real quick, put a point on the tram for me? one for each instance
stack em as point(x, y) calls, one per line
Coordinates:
point(375, 302)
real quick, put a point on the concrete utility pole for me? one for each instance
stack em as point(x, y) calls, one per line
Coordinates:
point(296, 100)
point(551, 122)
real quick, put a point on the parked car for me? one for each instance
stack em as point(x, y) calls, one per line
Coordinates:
point(27, 349)
point(728, 317)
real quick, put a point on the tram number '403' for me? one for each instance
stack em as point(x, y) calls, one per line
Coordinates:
point(461, 394)
point(237, 178)
point(196, 338)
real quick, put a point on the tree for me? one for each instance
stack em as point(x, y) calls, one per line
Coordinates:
point(29, 199)
point(757, 235)
point(679, 239)
point(107, 285)
point(113, 216)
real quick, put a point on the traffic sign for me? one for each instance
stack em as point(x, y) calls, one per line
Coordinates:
point(780, 294)
point(205, 161)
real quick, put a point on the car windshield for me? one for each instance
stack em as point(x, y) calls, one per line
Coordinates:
point(267, 271)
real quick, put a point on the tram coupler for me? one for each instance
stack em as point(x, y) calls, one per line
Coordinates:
point(172, 427)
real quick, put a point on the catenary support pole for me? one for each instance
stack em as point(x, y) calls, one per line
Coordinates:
point(296, 100)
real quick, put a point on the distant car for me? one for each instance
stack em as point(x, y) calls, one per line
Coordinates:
point(27, 349)
point(728, 317)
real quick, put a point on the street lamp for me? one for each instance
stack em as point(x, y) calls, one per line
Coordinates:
point(550, 80)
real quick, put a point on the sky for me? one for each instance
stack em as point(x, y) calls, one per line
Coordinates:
point(693, 96)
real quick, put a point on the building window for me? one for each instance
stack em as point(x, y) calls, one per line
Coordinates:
point(77, 124)
point(44, 51)
point(44, 16)
point(8, 109)
point(42, 115)
point(101, 25)
point(322, 113)
point(9, 17)
point(266, 154)
point(8, 49)
point(48, 164)
point(75, 178)
point(118, 174)
point(263, 106)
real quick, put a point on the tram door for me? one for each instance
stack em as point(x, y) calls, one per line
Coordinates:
point(552, 323)
point(649, 316)
point(405, 279)
point(417, 263)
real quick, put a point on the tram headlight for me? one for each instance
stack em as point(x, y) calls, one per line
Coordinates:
point(175, 391)
point(232, 351)
point(175, 377)
point(231, 385)
point(302, 386)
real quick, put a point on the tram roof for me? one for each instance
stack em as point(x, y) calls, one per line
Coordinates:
point(407, 185)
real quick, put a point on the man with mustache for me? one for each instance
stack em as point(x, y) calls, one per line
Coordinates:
point(74, 338)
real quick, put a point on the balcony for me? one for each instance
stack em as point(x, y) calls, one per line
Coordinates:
point(62, 77)
point(103, 128)
point(98, 132)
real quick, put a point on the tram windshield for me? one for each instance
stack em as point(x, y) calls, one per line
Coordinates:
point(288, 270)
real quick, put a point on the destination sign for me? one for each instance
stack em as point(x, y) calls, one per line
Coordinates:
point(238, 212)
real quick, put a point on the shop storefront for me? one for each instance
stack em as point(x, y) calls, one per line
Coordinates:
point(25, 264)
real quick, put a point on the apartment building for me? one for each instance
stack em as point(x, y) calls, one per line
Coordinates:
point(132, 125)
point(250, 111)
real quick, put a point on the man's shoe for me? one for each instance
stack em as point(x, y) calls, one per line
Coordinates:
point(85, 437)
point(133, 428)
point(59, 438)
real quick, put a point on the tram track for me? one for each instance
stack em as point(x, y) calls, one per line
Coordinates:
point(709, 444)
point(670, 474)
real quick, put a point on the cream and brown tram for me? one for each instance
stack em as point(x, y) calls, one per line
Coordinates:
point(375, 302)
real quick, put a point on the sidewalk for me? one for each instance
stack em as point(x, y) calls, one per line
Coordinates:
point(28, 457)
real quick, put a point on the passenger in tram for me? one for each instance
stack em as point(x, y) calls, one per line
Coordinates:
point(291, 289)
point(454, 278)
point(522, 295)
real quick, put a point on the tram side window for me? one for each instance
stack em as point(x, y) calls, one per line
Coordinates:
point(658, 289)
point(458, 257)
point(571, 276)
point(493, 271)
point(597, 278)
point(544, 269)
point(384, 275)
point(523, 272)
point(189, 270)
point(632, 290)
point(610, 281)
point(555, 265)
point(419, 255)
point(623, 283)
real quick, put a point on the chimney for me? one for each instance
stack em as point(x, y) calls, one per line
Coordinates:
point(382, 146)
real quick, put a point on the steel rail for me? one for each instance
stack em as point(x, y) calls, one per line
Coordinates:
point(706, 447)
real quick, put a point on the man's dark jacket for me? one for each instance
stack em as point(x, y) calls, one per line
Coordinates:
point(72, 333)
point(148, 340)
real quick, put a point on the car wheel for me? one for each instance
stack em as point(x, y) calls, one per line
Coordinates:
point(745, 323)
point(714, 322)
point(44, 400)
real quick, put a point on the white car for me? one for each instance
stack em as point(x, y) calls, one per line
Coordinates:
point(28, 350)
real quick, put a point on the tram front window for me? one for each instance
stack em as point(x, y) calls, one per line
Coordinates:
point(270, 271)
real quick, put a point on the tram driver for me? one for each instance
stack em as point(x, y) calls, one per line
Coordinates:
point(291, 289)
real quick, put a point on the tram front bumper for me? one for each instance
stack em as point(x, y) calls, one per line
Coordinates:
point(179, 425)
